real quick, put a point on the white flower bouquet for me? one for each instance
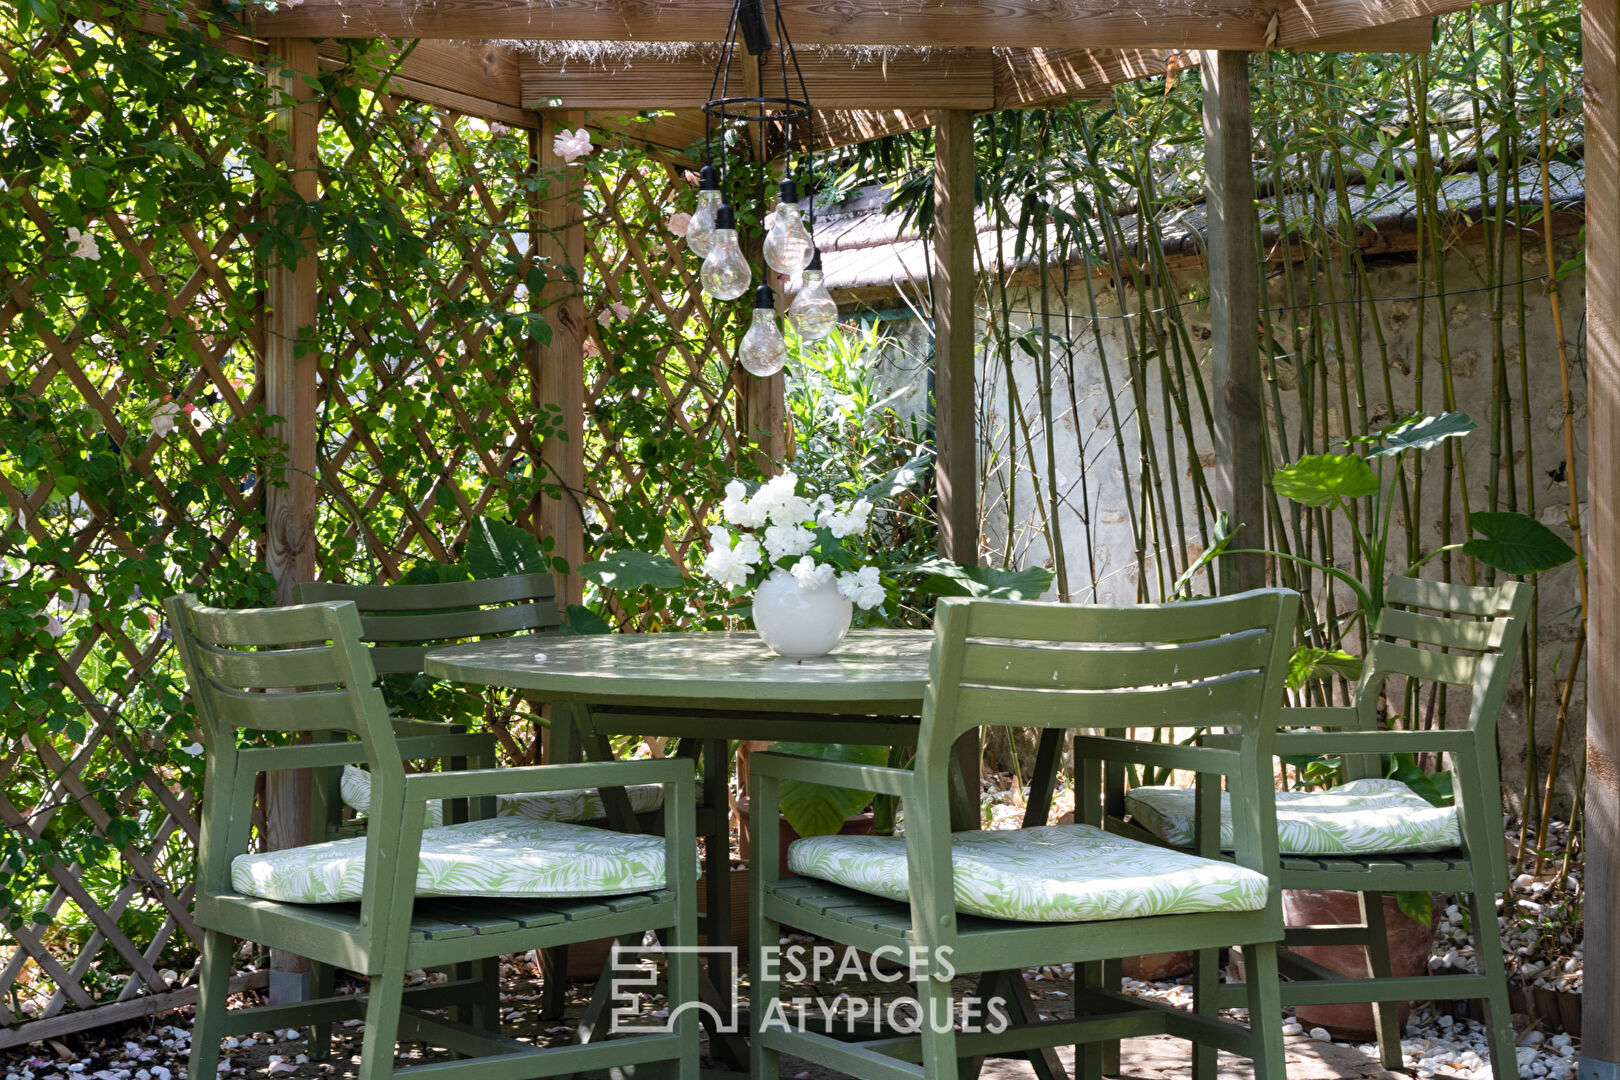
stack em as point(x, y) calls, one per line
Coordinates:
point(816, 541)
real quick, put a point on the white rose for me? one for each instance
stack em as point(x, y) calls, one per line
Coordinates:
point(863, 588)
point(781, 540)
point(571, 145)
point(811, 574)
point(747, 552)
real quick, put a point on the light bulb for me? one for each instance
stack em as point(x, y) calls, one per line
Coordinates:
point(788, 245)
point(763, 350)
point(725, 272)
point(700, 231)
point(813, 312)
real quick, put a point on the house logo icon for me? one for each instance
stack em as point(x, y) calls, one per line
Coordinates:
point(631, 979)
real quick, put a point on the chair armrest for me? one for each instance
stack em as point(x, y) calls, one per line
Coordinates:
point(327, 755)
point(1373, 742)
point(472, 783)
point(1198, 758)
point(878, 779)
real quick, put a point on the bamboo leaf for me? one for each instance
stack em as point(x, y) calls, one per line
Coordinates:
point(1515, 543)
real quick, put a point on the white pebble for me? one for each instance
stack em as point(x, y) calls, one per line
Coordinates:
point(1321, 1035)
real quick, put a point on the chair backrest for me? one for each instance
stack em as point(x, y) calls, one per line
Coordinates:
point(1219, 663)
point(402, 622)
point(1459, 635)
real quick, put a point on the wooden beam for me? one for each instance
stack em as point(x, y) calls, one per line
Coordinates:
point(1105, 24)
point(557, 367)
point(290, 373)
point(476, 78)
point(632, 79)
point(1407, 36)
point(1234, 289)
point(1303, 24)
point(1033, 77)
point(955, 241)
point(1600, 42)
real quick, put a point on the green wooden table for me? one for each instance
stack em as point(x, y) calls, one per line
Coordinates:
point(708, 688)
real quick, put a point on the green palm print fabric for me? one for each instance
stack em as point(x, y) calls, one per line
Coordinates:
point(501, 857)
point(1363, 817)
point(1056, 873)
point(572, 804)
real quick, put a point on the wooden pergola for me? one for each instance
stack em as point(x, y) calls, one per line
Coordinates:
point(877, 67)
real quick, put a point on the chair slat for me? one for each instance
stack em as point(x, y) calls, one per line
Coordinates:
point(281, 668)
point(1446, 633)
point(320, 710)
point(1066, 667)
point(1229, 701)
point(306, 623)
point(449, 625)
point(1190, 621)
point(1445, 596)
point(512, 589)
point(1455, 668)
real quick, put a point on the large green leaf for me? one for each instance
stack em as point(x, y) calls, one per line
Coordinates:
point(1310, 662)
point(433, 573)
point(632, 570)
point(946, 578)
point(497, 548)
point(904, 478)
point(1324, 479)
point(1421, 433)
point(1515, 543)
point(819, 810)
point(1220, 540)
point(582, 620)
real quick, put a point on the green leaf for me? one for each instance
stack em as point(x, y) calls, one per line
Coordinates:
point(819, 810)
point(582, 620)
point(1416, 905)
point(904, 478)
point(433, 573)
point(632, 570)
point(1515, 543)
point(1421, 433)
point(497, 548)
point(1222, 539)
point(1324, 479)
point(1310, 662)
point(946, 578)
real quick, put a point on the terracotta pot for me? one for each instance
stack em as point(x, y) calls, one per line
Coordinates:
point(1410, 945)
point(1156, 966)
point(858, 825)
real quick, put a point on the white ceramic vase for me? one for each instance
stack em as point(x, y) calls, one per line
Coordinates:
point(797, 622)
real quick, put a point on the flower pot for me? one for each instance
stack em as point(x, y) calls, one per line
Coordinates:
point(1157, 966)
point(858, 825)
point(1410, 944)
point(799, 622)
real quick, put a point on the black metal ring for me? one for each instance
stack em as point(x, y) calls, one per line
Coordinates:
point(726, 109)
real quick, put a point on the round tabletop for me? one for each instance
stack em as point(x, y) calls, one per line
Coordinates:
point(887, 668)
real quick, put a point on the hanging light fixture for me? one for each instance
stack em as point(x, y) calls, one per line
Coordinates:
point(789, 245)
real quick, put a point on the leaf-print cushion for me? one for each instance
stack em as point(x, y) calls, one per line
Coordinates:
point(572, 804)
point(1363, 817)
point(1055, 873)
point(508, 857)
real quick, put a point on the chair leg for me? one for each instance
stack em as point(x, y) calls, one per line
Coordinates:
point(765, 988)
point(1386, 1014)
point(938, 1028)
point(1265, 1011)
point(208, 1028)
point(1206, 977)
point(1498, 1014)
point(554, 987)
point(1088, 1057)
point(382, 1026)
point(486, 1004)
point(321, 980)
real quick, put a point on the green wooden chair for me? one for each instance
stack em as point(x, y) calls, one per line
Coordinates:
point(1041, 895)
point(1374, 836)
point(404, 896)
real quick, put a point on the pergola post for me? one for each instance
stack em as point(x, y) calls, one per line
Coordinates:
point(1234, 283)
point(1600, 44)
point(762, 399)
point(558, 366)
point(956, 458)
point(290, 371)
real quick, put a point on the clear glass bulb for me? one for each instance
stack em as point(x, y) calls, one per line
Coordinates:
point(725, 272)
point(813, 312)
point(788, 246)
point(763, 350)
point(700, 231)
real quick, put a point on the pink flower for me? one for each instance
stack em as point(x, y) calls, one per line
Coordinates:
point(679, 223)
point(571, 145)
point(420, 148)
point(498, 129)
point(613, 311)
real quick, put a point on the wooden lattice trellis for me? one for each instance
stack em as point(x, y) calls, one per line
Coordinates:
point(431, 415)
